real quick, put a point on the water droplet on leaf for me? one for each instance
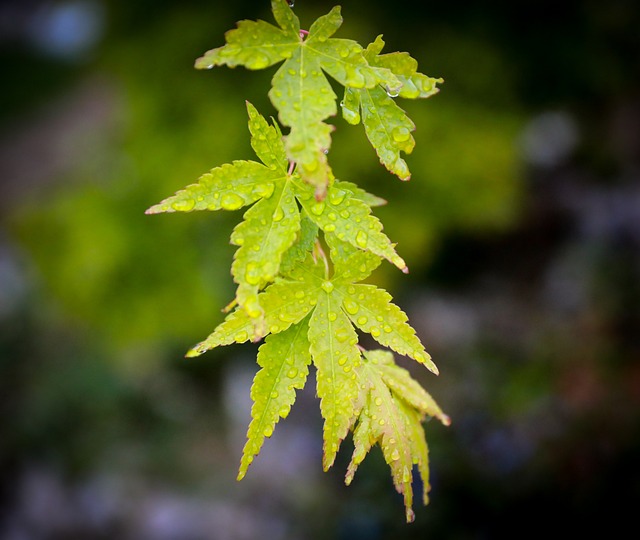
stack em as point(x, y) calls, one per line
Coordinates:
point(317, 208)
point(400, 134)
point(241, 336)
point(350, 306)
point(278, 214)
point(231, 201)
point(361, 239)
point(336, 196)
point(185, 205)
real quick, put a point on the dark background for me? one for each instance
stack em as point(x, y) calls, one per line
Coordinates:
point(521, 226)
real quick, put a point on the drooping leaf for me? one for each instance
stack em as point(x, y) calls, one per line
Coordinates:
point(388, 420)
point(387, 126)
point(336, 306)
point(335, 355)
point(284, 359)
point(301, 92)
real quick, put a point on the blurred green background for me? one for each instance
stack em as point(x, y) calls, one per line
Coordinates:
point(521, 226)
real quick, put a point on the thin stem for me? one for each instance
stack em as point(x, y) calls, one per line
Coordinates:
point(320, 252)
point(292, 166)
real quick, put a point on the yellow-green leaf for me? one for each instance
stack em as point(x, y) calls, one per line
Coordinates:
point(349, 219)
point(268, 230)
point(372, 311)
point(285, 303)
point(229, 187)
point(284, 359)
point(387, 126)
point(387, 419)
point(336, 357)
point(300, 90)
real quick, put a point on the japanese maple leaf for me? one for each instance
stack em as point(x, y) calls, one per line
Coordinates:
point(272, 224)
point(390, 411)
point(300, 90)
point(387, 126)
point(326, 311)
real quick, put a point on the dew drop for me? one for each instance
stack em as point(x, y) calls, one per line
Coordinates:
point(278, 214)
point(231, 201)
point(346, 368)
point(362, 320)
point(350, 306)
point(344, 53)
point(274, 394)
point(374, 331)
point(268, 431)
point(345, 214)
point(361, 239)
point(342, 360)
point(332, 316)
point(241, 336)
point(292, 373)
point(420, 357)
point(330, 227)
point(395, 455)
point(299, 294)
point(185, 205)
point(251, 274)
point(291, 71)
point(336, 196)
point(260, 61)
point(400, 134)
point(327, 287)
point(378, 401)
point(317, 208)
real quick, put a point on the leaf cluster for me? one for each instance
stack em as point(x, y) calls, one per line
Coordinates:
point(307, 306)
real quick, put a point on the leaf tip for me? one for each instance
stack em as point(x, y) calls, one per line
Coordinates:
point(411, 516)
point(193, 352)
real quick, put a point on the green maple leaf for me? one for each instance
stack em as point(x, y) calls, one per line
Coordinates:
point(390, 411)
point(300, 90)
point(272, 224)
point(330, 309)
point(284, 359)
point(387, 126)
